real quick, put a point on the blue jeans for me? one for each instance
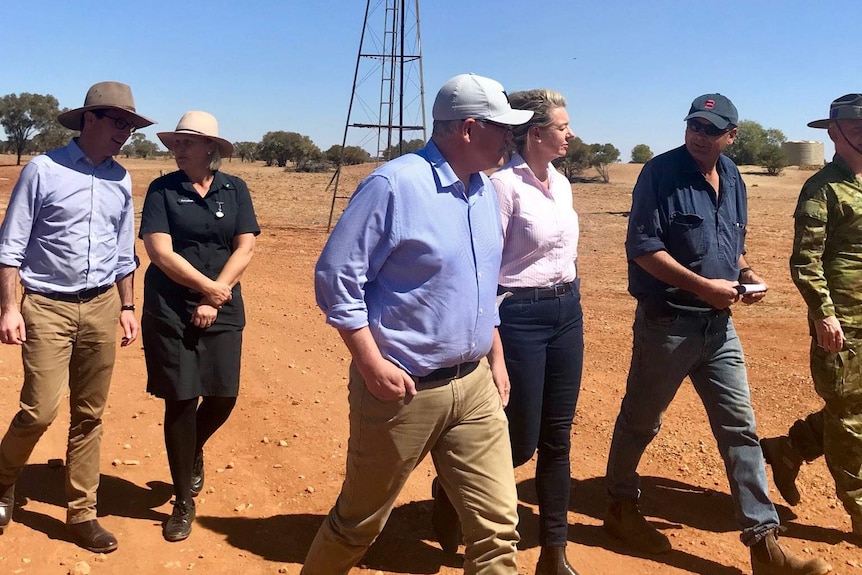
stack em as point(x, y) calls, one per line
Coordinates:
point(706, 348)
point(543, 343)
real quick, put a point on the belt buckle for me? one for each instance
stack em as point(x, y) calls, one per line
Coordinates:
point(560, 290)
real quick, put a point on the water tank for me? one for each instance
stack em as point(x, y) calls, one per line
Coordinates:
point(804, 153)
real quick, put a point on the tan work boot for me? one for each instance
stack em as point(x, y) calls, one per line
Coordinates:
point(625, 522)
point(785, 463)
point(770, 558)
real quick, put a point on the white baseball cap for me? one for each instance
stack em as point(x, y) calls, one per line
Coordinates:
point(471, 96)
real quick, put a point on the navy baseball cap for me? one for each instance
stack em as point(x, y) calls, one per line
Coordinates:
point(718, 109)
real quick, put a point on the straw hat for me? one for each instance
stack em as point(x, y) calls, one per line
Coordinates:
point(103, 96)
point(198, 124)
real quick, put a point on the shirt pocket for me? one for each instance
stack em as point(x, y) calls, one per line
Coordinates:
point(687, 237)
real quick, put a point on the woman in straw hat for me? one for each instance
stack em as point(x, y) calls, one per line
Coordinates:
point(199, 228)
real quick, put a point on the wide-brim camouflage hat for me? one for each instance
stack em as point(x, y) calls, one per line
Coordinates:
point(106, 96)
point(847, 107)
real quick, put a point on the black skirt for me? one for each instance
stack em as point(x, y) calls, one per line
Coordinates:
point(194, 363)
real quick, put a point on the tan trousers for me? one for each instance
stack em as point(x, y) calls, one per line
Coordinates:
point(69, 346)
point(463, 426)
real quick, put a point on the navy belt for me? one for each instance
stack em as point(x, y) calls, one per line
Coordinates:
point(557, 290)
point(82, 296)
point(445, 373)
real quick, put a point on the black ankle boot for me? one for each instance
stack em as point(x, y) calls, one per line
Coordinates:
point(179, 524)
point(552, 561)
point(198, 474)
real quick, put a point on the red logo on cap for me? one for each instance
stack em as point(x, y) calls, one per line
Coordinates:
point(709, 104)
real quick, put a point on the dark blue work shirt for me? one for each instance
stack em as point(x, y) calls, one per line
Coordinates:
point(676, 210)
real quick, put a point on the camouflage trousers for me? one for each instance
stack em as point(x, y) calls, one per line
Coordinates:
point(836, 430)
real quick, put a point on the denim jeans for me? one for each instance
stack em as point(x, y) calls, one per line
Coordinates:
point(705, 348)
point(543, 343)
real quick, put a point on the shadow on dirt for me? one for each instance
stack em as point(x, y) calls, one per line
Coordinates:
point(117, 497)
point(668, 505)
point(406, 545)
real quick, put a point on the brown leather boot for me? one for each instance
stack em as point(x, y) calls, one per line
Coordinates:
point(625, 522)
point(768, 557)
point(553, 561)
point(785, 462)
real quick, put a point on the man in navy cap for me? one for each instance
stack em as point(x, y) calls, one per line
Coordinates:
point(825, 268)
point(687, 266)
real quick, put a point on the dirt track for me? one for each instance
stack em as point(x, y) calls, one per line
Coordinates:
point(276, 467)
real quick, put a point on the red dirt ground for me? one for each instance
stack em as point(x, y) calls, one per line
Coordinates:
point(276, 467)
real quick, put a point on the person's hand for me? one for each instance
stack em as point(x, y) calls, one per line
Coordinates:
point(12, 330)
point(388, 382)
point(129, 325)
point(204, 316)
point(719, 293)
point(830, 336)
point(218, 294)
point(752, 278)
point(501, 380)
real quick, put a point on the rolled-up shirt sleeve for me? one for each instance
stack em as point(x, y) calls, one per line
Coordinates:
point(645, 229)
point(20, 215)
point(356, 250)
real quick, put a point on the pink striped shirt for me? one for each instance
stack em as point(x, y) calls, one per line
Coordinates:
point(540, 227)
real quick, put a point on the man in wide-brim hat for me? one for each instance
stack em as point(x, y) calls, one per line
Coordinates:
point(69, 237)
point(827, 247)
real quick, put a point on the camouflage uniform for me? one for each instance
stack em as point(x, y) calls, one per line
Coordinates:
point(826, 267)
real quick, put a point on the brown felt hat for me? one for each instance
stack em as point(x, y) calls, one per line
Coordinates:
point(106, 96)
point(198, 124)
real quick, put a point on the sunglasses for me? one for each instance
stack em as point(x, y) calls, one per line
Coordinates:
point(504, 127)
point(708, 129)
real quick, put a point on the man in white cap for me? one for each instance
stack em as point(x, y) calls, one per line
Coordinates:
point(409, 279)
point(69, 236)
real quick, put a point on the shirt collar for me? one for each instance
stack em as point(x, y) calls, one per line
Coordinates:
point(76, 154)
point(444, 173)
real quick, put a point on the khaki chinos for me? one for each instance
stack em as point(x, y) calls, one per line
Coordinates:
point(69, 346)
point(462, 424)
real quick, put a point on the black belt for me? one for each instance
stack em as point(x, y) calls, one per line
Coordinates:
point(665, 312)
point(454, 372)
point(557, 290)
point(82, 296)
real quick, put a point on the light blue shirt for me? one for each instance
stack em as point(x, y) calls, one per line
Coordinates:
point(416, 259)
point(70, 225)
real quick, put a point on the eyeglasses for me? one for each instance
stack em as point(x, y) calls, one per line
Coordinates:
point(709, 129)
point(504, 127)
point(119, 123)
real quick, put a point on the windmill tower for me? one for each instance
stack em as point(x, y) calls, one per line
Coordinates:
point(387, 103)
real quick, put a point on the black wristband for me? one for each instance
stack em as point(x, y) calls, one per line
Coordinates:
point(742, 271)
point(128, 307)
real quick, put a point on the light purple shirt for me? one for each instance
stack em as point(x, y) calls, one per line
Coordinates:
point(540, 227)
point(70, 225)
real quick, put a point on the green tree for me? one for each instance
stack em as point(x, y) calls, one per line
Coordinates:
point(139, 147)
point(350, 156)
point(53, 136)
point(641, 154)
point(601, 157)
point(25, 115)
point(774, 159)
point(753, 142)
point(281, 147)
point(246, 151)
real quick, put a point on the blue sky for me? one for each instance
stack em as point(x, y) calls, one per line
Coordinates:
point(629, 68)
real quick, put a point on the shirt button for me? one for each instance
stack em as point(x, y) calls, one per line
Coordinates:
point(207, 226)
point(480, 311)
